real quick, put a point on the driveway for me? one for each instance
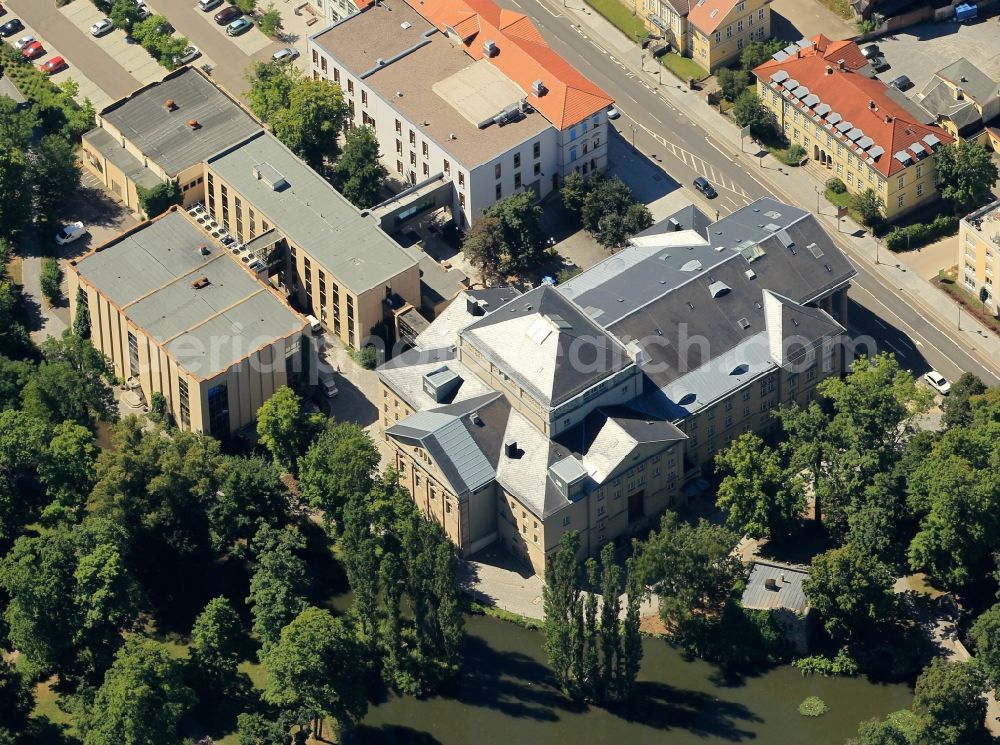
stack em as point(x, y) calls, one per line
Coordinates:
point(922, 50)
point(792, 20)
point(100, 76)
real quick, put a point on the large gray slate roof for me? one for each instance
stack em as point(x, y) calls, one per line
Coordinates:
point(312, 214)
point(976, 84)
point(164, 136)
point(148, 274)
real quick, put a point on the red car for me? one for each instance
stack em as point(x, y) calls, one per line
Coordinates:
point(225, 16)
point(54, 65)
point(32, 50)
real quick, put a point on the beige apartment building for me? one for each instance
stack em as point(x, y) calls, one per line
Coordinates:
point(711, 32)
point(851, 124)
point(178, 316)
point(978, 247)
point(164, 132)
point(336, 261)
point(596, 405)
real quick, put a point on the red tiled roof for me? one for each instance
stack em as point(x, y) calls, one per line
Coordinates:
point(523, 56)
point(860, 100)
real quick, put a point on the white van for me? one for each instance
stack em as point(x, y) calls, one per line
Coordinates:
point(314, 325)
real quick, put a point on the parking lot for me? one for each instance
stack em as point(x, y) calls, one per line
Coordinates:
point(922, 50)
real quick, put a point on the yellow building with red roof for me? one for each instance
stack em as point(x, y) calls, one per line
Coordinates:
point(467, 94)
point(824, 98)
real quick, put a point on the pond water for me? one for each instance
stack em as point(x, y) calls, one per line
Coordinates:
point(506, 696)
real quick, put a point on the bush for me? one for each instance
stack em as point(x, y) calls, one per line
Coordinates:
point(740, 639)
point(157, 199)
point(49, 279)
point(813, 706)
point(270, 21)
point(921, 233)
point(796, 153)
point(367, 356)
point(842, 664)
point(836, 185)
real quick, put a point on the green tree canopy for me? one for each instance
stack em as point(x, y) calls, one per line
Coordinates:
point(359, 173)
point(277, 588)
point(312, 122)
point(851, 591)
point(215, 646)
point(68, 471)
point(270, 87)
point(508, 239)
point(53, 162)
point(70, 383)
point(957, 406)
point(16, 699)
point(250, 497)
point(285, 429)
point(949, 699)
point(124, 14)
point(610, 213)
point(483, 247)
point(340, 465)
point(964, 174)
point(760, 497)
point(758, 52)
point(985, 632)
point(899, 728)
point(142, 699)
point(750, 111)
point(732, 83)
point(270, 21)
point(316, 665)
point(870, 207)
point(15, 190)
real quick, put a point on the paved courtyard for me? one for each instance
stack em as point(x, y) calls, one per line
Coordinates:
point(792, 20)
point(919, 51)
point(928, 260)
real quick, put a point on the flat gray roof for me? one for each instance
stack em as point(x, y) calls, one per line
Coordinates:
point(787, 592)
point(102, 141)
point(148, 274)
point(164, 136)
point(312, 214)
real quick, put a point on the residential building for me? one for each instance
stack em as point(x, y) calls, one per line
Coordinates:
point(978, 248)
point(178, 316)
point(164, 132)
point(464, 94)
point(338, 263)
point(965, 103)
point(777, 589)
point(852, 124)
point(595, 405)
point(712, 32)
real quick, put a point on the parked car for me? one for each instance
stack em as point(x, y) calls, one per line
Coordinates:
point(871, 50)
point(239, 27)
point(142, 11)
point(285, 55)
point(227, 15)
point(329, 387)
point(3, 10)
point(11, 27)
point(190, 55)
point(702, 185)
point(54, 65)
point(207, 5)
point(878, 62)
point(33, 50)
point(937, 381)
point(102, 27)
point(23, 41)
point(70, 233)
point(901, 83)
point(613, 113)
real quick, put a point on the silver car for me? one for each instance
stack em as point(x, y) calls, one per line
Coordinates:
point(285, 55)
point(190, 55)
point(102, 27)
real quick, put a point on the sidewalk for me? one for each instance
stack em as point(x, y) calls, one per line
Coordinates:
point(789, 184)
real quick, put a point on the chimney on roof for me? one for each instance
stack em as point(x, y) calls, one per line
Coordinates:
point(193, 124)
point(201, 282)
point(888, 118)
point(170, 105)
point(841, 65)
point(829, 70)
point(203, 250)
point(490, 48)
point(959, 94)
point(872, 105)
point(538, 88)
point(963, 79)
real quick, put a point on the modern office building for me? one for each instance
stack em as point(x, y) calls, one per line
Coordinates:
point(850, 123)
point(711, 32)
point(338, 263)
point(595, 405)
point(465, 94)
point(978, 248)
point(164, 132)
point(178, 316)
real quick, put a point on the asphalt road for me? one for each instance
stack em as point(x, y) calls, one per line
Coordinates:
point(59, 32)
point(680, 146)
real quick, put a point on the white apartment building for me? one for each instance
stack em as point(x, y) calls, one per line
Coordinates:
point(481, 103)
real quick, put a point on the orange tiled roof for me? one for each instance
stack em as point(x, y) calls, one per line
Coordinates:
point(706, 15)
point(856, 98)
point(523, 56)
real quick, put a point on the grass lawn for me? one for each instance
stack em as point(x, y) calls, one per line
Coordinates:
point(45, 706)
point(683, 67)
point(841, 7)
point(14, 270)
point(844, 200)
point(970, 303)
point(622, 17)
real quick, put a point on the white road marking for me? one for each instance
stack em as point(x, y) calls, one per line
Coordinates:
point(894, 348)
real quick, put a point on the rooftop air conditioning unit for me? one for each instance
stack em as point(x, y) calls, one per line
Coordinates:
point(490, 48)
point(538, 88)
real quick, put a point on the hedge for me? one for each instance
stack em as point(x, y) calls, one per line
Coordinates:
point(49, 279)
point(921, 233)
